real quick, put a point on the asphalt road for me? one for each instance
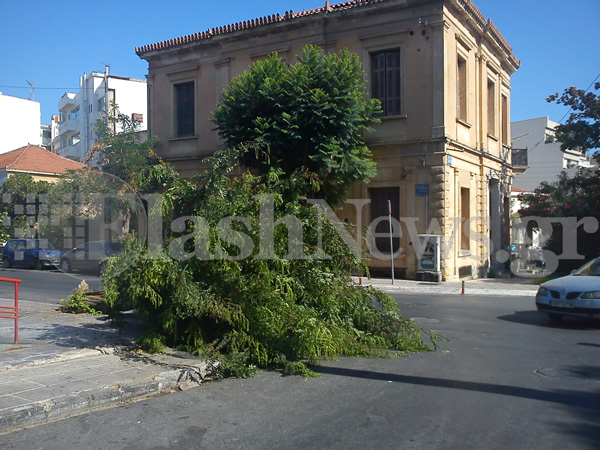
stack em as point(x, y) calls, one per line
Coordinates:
point(45, 286)
point(507, 379)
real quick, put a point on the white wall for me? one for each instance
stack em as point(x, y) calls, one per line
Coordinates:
point(20, 122)
point(130, 96)
point(545, 160)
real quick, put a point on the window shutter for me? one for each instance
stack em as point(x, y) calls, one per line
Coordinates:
point(378, 80)
point(393, 82)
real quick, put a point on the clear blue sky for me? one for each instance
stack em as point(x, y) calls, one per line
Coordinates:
point(53, 43)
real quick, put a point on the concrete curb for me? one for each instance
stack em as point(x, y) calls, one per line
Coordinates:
point(63, 357)
point(85, 401)
point(456, 291)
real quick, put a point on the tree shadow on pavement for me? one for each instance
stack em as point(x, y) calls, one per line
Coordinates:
point(86, 335)
point(583, 400)
point(539, 319)
point(584, 405)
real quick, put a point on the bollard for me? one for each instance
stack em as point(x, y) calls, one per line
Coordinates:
point(463, 288)
point(360, 280)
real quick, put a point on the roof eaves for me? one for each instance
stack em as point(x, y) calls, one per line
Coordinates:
point(16, 160)
point(248, 24)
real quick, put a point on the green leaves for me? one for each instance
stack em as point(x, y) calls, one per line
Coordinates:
point(582, 129)
point(288, 301)
point(310, 116)
point(248, 313)
point(570, 196)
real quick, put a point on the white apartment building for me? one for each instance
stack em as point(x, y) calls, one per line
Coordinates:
point(545, 160)
point(20, 122)
point(78, 113)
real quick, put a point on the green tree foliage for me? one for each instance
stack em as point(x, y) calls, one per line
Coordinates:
point(129, 167)
point(582, 129)
point(124, 152)
point(213, 296)
point(18, 191)
point(578, 196)
point(309, 116)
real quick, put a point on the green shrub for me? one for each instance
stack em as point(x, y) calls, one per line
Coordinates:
point(270, 313)
point(76, 304)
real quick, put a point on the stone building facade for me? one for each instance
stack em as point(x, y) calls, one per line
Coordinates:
point(443, 149)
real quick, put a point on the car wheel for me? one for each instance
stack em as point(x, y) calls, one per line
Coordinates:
point(65, 266)
point(555, 317)
point(6, 263)
point(37, 265)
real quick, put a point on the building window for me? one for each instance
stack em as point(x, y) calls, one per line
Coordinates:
point(379, 208)
point(461, 89)
point(491, 107)
point(385, 80)
point(549, 138)
point(505, 120)
point(74, 114)
point(465, 214)
point(184, 109)
point(74, 140)
point(101, 103)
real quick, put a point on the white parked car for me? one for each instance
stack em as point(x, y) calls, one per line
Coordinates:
point(577, 294)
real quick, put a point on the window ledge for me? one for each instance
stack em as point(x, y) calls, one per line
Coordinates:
point(495, 138)
point(464, 253)
point(184, 138)
point(463, 122)
point(396, 116)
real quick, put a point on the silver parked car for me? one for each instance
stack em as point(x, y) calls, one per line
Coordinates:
point(577, 294)
point(89, 257)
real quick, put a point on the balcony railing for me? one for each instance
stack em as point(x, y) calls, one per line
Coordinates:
point(70, 125)
point(66, 100)
point(71, 151)
point(519, 157)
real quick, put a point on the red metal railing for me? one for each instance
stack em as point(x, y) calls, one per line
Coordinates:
point(12, 312)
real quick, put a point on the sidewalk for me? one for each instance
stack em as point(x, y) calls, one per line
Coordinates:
point(66, 364)
point(483, 286)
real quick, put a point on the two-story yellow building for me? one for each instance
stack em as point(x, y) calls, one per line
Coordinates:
point(442, 72)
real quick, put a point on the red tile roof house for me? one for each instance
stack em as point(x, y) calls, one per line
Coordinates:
point(36, 161)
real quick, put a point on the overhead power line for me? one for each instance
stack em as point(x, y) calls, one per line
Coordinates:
point(588, 88)
point(46, 88)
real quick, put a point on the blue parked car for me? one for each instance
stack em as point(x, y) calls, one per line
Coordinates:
point(36, 253)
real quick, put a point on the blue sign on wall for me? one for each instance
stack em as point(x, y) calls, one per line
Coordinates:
point(421, 190)
point(449, 160)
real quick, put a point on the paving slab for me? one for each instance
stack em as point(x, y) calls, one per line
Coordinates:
point(66, 364)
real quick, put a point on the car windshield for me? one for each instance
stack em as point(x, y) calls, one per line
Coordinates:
point(39, 244)
point(590, 269)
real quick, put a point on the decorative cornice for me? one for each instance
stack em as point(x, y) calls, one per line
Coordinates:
point(488, 28)
point(249, 24)
point(485, 26)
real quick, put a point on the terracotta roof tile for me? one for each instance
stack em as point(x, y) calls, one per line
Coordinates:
point(261, 21)
point(32, 158)
point(469, 7)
